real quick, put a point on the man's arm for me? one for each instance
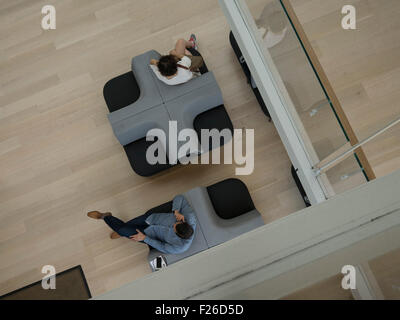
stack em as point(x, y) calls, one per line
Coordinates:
point(182, 209)
point(190, 217)
point(163, 247)
point(178, 203)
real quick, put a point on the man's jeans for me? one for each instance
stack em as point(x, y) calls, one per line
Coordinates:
point(127, 229)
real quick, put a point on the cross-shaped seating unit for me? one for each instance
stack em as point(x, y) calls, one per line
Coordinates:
point(139, 102)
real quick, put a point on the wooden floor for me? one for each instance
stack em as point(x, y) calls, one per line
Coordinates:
point(328, 289)
point(386, 271)
point(59, 157)
point(363, 66)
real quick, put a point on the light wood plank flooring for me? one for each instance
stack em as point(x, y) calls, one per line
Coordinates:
point(59, 157)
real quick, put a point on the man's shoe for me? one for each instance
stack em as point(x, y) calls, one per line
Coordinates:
point(114, 235)
point(98, 215)
point(193, 40)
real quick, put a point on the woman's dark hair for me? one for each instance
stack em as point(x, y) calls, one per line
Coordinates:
point(167, 65)
point(184, 230)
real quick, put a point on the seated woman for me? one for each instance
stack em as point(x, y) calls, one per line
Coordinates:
point(179, 66)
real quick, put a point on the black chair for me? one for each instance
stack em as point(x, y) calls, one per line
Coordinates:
point(247, 72)
point(121, 91)
point(300, 187)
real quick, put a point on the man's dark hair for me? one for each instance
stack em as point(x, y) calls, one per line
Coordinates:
point(168, 65)
point(184, 230)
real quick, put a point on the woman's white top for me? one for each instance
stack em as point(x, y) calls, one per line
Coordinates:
point(182, 75)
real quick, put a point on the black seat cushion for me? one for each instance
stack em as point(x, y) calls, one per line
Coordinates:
point(261, 102)
point(230, 198)
point(216, 118)
point(239, 56)
point(121, 91)
point(162, 208)
point(300, 187)
point(247, 72)
point(136, 153)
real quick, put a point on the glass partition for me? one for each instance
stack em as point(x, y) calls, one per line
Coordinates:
point(290, 46)
point(383, 151)
point(306, 98)
point(346, 175)
point(310, 104)
point(363, 68)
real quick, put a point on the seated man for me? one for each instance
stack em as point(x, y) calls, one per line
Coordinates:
point(179, 65)
point(167, 232)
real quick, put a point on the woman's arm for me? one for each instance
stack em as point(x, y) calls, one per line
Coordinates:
point(153, 62)
point(174, 53)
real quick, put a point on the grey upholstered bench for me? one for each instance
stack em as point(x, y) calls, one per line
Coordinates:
point(138, 102)
point(224, 211)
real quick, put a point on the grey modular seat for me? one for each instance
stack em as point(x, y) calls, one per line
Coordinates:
point(138, 101)
point(223, 210)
